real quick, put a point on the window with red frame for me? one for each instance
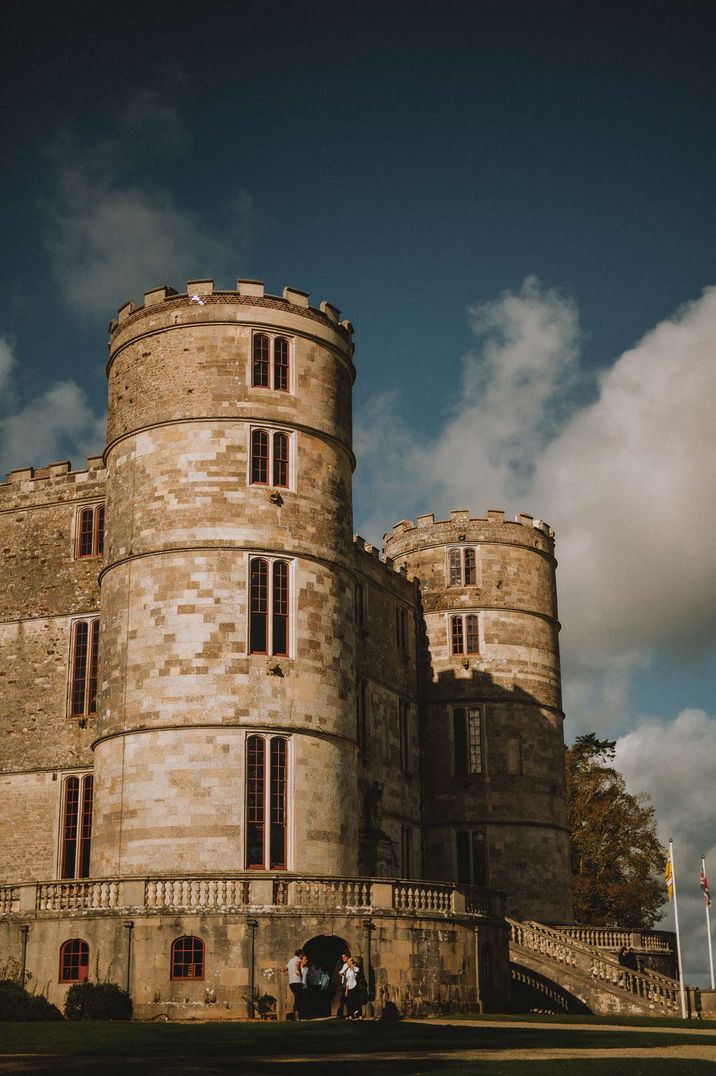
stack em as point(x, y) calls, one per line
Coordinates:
point(271, 362)
point(187, 958)
point(260, 371)
point(266, 816)
point(74, 961)
point(76, 826)
point(269, 456)
point(269, 611)
point(90, 532)
point(280, 364)
point(85, 652)
point(464, 634)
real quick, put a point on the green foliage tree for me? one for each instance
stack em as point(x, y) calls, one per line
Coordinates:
point(97, 1001)
point(617, 860)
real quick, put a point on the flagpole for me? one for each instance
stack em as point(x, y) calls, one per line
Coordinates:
point(678, 939)
point(707, 903)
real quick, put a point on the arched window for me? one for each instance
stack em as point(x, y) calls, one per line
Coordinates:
point(266, 817)
point(280, 363)
point(270, 456)
point(462, 567)
point(76, 826)
point(260, 375)
point(280, 460)
point(455, 567)
point(259, 457)
point(465, 634)
point(269, 634)
point(85, 652)
point(90, 532)
point(74, 961)
point(187, 958)
point(467, 740)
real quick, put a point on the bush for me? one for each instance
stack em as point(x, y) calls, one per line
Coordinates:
point(18, 1004)
point(97, 1001)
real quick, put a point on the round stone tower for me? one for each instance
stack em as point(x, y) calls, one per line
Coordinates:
point(492, 742)
point(226, 715)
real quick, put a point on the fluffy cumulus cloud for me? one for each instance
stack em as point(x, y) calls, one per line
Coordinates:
point(672, 761)
point(626, 480)
point(57, 423)
point(113, 233)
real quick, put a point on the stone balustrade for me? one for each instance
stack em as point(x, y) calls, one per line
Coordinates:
point(552, 944)
point(255, 890)
point(612, 938)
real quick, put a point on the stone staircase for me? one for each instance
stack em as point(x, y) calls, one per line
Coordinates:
point(553, 965)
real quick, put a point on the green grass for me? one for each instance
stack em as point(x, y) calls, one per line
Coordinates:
point(198, 1042)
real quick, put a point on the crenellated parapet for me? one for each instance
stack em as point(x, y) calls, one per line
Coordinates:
point(407, 536)
point(54, 482)
point(200, 295)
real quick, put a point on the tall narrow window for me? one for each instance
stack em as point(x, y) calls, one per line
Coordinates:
point(362, 716)
point(259, 457)
point(359, 598)
point(85, 652)
point(76, 827)
point(90, 532)
point(404, 734)
point(256, 803)
point(267, 815)
point(462, 567)
point(280, 608)
point(279, 769)
point(465, 634)
point(270, 458)
point(280, 460)
point(270, 593)
point(260, 376)
point(467, 741)
point(471, 849)
point(514, 754)
point(74, 961)
point(280, 363)
point(406, 851)
point(187, 958)
point(401, 628)
point(456, 635)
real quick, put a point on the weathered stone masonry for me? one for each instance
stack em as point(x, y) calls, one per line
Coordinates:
point(358, 711)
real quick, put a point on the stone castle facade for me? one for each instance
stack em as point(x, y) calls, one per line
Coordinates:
point(230, 726)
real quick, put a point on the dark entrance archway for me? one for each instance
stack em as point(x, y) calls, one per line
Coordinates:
point(325, 952)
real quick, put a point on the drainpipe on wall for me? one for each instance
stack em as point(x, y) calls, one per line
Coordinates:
point(478, 985)
point(129, 927)
point(24, 931)
point(252, 924)
point(367, 928)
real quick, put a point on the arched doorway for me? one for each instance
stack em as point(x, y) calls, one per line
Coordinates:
point(324, 951)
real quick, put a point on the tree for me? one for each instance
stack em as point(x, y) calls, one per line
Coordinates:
point(617, 860)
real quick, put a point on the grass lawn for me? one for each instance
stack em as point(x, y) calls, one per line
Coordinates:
point(107, 1049)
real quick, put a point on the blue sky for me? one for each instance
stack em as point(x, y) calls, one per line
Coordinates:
point(511, 201)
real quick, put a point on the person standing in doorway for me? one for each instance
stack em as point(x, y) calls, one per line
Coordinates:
point(296, 982)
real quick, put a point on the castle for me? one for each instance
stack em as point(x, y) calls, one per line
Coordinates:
point(230, 726)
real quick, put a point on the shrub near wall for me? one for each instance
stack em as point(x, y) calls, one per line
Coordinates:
point(97, 1001)
point(17, 1004)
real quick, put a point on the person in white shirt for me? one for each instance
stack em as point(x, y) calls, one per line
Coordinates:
point(297, 982)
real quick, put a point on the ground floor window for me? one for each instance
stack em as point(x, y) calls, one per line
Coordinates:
point(74, 961)
point(187, 958)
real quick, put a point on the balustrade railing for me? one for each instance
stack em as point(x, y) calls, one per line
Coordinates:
point(253, 889)
point(553, 944)
point(613, 938)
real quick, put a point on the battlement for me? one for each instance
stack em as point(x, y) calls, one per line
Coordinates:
point(378, 556)
point(460, 517)
point(25, 480)
point(248, 292)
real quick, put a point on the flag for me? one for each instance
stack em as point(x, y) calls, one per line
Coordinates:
point(704, 883)
point(669, 875)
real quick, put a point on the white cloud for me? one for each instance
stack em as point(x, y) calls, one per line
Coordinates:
point(113, 235)
point(673, 761)
point(51, 426)
point(627, 481)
